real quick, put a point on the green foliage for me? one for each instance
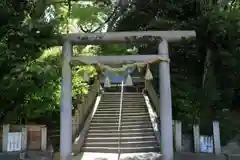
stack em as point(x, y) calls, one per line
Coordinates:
point(221, 27)
point(30, 71)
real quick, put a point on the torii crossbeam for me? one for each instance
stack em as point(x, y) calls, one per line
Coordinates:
point(161, 37)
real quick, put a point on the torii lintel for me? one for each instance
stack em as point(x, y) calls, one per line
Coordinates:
point(127, 37)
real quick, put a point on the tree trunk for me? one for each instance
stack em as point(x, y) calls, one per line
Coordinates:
point(208, 89)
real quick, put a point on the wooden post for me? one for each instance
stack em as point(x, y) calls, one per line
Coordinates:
point(24, 138)
point(196, 135)
point(216, 138)
point(44, 138)
point(6, 128)
point(178, 135)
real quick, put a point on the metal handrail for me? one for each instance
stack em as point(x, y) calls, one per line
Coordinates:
point(120, 118)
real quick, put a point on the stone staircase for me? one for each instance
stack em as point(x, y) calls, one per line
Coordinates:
point(136, 130)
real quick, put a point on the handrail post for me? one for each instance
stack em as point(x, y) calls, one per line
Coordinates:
point(120, 119)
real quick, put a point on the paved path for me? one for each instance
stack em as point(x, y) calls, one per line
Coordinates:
point(111, 156)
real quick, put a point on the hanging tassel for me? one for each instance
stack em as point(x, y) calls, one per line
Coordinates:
point(148, 75)
point(129, 81)
point(107, 82)
point(139, 68)
point(85, 76)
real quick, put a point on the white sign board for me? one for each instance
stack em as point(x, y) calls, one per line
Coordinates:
point(14, 141)
point(206, 144)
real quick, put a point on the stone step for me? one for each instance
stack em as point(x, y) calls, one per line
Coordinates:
point(124, 121)
point(133, 118)
point(116, 134)
point(136, 133)
point(115, 127)
point(123, 111)
point(119, 93)
point(124, 96)
point(117, 99)
point(124, 116)
point(118, 104)
point(123, 130)
point(136, 93)
point(124, 108)
point(122, 139)
point(104, 120)
point(122, 124)
point(122, 150)
point(123, 105)
point(122, 144)
point(124, 101)
point(99, 115)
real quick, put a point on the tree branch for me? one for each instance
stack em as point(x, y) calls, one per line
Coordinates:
point(101, 25)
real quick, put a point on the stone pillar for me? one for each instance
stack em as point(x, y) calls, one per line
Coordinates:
point(196, 137)
point(24, 138)
point(178, 135)
point(44, 138)
point(5, 137)
point(216, 138)
point(66, 103)
point(165, 104)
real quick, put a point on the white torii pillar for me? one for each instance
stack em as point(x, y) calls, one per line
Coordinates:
point(165, 103)
point(119, 37)
point(66, 103)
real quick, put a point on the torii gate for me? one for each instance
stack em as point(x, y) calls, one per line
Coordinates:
point(165, 107)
